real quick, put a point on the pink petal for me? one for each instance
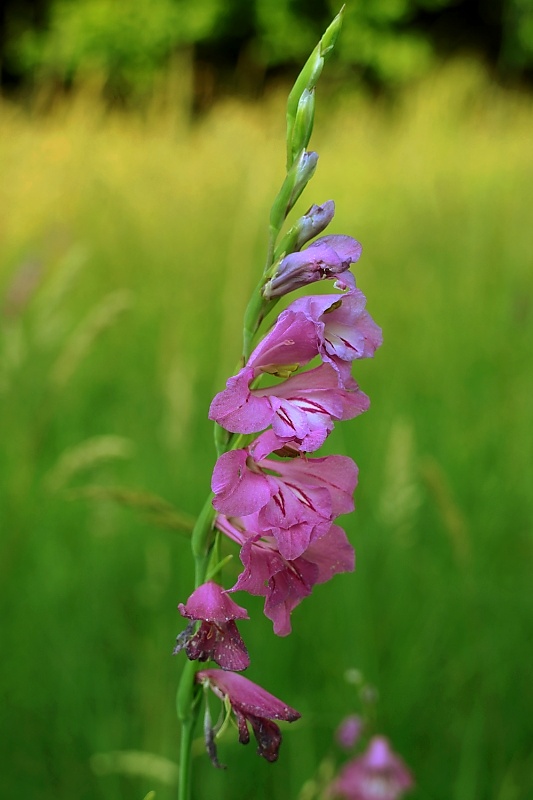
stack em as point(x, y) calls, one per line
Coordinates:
point(237, 489)
point(211, 603)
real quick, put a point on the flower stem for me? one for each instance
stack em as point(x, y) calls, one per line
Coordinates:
point(184, 779)
point(202, 541)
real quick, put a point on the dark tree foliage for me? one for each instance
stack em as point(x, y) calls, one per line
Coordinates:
point(243, 41)
point(16, 17)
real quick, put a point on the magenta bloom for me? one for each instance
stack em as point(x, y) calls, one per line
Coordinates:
point(282, 582)
point(250, 704)
point(296, 500)
point(217, 638)
point(291, 343)
point(326, 257)
point(300, 409)
point(349, 731)
point(379, 774)
point(336, 327)
point(344, 330)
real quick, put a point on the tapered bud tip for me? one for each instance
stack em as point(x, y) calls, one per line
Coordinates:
point(331, 34)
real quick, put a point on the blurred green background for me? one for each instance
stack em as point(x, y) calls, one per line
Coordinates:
point(132, 228)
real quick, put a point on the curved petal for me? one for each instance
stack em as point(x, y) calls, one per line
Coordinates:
point(237, 409)
point(237, 489)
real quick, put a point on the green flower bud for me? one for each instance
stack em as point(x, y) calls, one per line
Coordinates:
point(295, 182)
point(307, 227)
point(308, 78)
point(303, 123)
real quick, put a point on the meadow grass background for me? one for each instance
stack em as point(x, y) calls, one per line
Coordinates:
point(128, 247)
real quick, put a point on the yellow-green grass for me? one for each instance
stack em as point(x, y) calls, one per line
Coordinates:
point(128, 247)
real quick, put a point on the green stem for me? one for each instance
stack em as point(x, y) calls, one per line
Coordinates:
point(202, 541)
point(184, 779)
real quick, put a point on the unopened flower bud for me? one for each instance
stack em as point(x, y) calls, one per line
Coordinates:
point(303, 123)
point(313, 222)
point(306, 169)
point(307, 227)
point(308, 78)
point(295, 182)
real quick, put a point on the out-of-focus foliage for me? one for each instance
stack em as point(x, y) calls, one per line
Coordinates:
point(387, 41)
point(129, 246)
point(377, 37)
point(517, 51)
point(122, 41)
point(372, 40)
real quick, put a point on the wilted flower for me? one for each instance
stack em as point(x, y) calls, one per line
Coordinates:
point(283, 582)
point(217, 638)
point(379, 774)
point(250, 704)
point(326, 257)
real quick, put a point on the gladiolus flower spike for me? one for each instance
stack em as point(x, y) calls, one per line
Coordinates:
point(272, 496)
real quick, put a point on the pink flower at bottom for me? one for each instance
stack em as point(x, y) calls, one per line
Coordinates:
point(250, 704)
point(379, 774)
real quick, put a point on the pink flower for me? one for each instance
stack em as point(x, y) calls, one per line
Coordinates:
point(300, 409)
point(336, 327)
point(283, 582)
point(349, 731)
point(217, 638)
point(291, 342)
point(296, 499)
point(250, 704)
point(379, 774)
point(345, 331)
point(326, 257)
